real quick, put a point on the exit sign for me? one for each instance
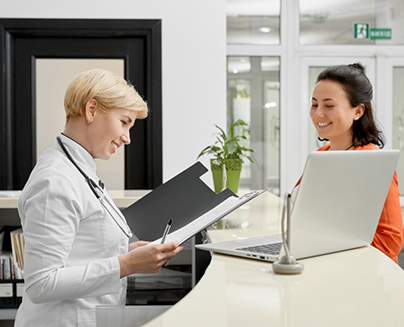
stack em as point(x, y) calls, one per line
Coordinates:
point(362, 31)
point(380, 33)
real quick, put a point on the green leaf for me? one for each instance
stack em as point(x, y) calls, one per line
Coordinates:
point(240, 122)
point(223, 134)
point(254, 161)
point(230, 145)
point(231, 148)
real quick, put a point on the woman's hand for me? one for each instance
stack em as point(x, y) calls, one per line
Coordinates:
point(135, 245)
point(143, 258)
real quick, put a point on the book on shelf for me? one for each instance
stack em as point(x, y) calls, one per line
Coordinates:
point(17, 246)
point(11, 275)
point(6, 265)
point(11, 253)
point(2, 232)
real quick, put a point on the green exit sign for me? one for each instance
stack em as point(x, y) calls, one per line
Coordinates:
point(380, 33)
point(362, 31)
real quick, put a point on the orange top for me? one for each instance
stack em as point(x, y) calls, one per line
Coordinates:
point(389, 232)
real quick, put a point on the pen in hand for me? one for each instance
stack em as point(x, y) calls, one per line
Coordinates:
point(170, 221)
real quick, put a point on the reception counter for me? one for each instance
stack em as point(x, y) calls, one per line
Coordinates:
point(360, 287)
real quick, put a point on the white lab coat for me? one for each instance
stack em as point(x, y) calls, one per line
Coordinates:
point(72, 244)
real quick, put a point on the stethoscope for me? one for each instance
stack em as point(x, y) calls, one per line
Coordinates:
point(99, 194)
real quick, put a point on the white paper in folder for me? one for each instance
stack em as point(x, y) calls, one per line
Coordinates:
point(207, 219)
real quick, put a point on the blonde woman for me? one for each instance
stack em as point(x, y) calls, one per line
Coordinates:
point(77, 251)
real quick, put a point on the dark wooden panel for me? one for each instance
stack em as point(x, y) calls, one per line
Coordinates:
point(22, 41)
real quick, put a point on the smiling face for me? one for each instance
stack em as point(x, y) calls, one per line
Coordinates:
point(333, 115)
point(109, 131)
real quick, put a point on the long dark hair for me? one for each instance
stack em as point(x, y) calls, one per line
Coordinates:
point(359, 91)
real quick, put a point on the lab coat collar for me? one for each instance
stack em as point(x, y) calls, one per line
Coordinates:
point(82, 157)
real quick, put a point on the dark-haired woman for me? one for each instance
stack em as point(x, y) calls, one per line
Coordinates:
point(341, 112)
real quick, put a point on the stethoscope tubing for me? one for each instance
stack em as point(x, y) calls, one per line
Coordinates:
point(93, 186)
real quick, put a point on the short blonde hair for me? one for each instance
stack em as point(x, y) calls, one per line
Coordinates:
point(109, 90)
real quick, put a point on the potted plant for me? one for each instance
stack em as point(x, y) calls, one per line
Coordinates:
point(229, 154)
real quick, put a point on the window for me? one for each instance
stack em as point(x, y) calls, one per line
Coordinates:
point(253, 96)
point(351, 22)
point(270, 83)
point(253, 22)
point(398, 120)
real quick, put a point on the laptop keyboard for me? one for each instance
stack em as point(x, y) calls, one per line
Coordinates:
point(272, 249)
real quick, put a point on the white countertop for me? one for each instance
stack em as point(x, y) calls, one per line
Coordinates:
point(361, 287)
point(355, 288)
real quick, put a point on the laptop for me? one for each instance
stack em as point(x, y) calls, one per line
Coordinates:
point(338, 206)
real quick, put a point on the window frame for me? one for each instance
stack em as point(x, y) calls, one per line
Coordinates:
point(293, 117)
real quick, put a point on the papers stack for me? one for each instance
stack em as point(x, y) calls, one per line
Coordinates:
point(17, 245)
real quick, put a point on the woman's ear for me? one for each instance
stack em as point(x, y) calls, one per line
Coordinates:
point(359, 111)
point(91, 106)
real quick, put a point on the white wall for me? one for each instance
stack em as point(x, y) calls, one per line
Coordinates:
point(53, 76)
point(193, 58)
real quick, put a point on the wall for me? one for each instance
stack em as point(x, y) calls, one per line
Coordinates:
point(51, 116)
point(193, 58)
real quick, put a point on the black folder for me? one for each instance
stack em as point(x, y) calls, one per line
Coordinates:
point(185, 197)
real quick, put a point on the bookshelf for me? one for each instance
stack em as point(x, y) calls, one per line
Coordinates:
point(122, 198)
point(9, 218)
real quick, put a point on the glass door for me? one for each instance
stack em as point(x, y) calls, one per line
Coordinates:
point(393, 101)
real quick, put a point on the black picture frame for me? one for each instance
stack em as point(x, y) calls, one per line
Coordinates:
point(22, 41)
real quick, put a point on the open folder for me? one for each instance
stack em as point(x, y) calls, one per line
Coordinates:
point(188, 200)
point(207, 219)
